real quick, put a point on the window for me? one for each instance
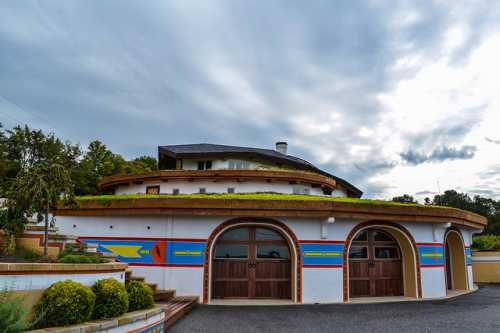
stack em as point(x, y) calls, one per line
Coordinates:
point(153, 190)
point(361, 237)
point(203, 190)
point(204, 165)
point(230, 190)
point(176, 191)
point(235, 251)
point(380, 236)
point(272, 251)
point(239, 234)
point(235, 164)
point(386, 252)
point(267, 234)
point(358, 252)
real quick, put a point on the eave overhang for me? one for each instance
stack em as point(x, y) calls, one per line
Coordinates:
point(275, 208)
point(220, 175)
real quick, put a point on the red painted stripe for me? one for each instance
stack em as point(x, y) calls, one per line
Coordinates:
point(164, 265)
point(307, 241)
point(322, 266)
point(432, 265)
point(145, 239)
point(429, 244)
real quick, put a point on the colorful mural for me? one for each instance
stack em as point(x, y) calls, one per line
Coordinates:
point(431, 254)
point(468, 256)
point(153, 328)
point(322, 254)
point(151, 252)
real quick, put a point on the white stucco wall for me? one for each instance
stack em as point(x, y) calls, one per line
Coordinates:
point(222, 187)
point(318, 284)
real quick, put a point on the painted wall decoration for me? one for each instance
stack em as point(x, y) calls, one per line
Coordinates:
point(322, 254)
point(158, 327)
point(153, 252)
point(431, 254)
point(468, 256)
point(185, 252)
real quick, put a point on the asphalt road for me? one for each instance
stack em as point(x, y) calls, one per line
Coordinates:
point(477, 312)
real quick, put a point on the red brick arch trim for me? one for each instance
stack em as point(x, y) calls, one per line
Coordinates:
point(268, 222)
point(375, 224)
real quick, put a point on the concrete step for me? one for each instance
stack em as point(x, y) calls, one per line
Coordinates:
point(178, 307)
point(164, 295)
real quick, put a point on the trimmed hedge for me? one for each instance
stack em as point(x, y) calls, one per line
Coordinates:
point(65, 303)
point(140, 296)
point(82, 259)
point(486, 243)
point(111, 299)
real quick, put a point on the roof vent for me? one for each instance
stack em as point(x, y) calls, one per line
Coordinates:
point(281, 147)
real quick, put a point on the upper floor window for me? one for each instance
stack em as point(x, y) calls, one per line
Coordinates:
point(204, 165)
point(235, 164)
point(153, 190)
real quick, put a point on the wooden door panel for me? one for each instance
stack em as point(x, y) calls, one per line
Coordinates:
point(376, 276)
point(260, 277)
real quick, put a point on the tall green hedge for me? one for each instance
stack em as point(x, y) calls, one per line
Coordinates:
point(486, 243)
point(65, 303)
point(111, 299)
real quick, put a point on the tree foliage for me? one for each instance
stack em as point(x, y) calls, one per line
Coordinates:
point(406, 198)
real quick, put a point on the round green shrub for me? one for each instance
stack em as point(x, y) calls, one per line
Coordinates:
point(140, 296)
point(111, 299)
point(65, 303)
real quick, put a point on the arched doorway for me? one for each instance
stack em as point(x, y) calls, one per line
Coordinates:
point(375, 265)
point(251, 261)
point(455, 272)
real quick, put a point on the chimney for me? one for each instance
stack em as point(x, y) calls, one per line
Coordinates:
point(281, 147)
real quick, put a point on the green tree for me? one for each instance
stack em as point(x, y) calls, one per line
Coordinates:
point(21, 148)
point(406, 198)
point(40, 188)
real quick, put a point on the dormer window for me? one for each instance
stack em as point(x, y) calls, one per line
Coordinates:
point(204, 165)
point(235, 164)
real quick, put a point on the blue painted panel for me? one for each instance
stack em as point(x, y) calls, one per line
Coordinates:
point(132, 251)
point(468, 256)
point(321, 254)
point(154, 328)
point(431, 254)
point(185, 253)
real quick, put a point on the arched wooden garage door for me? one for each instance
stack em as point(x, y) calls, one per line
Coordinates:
point(251, 262)
point(375, 265)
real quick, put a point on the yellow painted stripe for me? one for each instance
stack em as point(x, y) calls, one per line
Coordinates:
point(432, 254)
point(321, 254)
point(129, 251)
point(187, 253)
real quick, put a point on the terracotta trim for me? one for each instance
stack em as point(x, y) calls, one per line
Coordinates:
point(274, 208)
point(431, 265)
point(374, 224)
point(253, 221)
point(429, 244)
point(41, 242)
point(218, 175)
point(322, 266)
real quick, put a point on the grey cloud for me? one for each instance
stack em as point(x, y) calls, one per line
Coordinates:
point(140, 74)
point(492, 141)
point(426, 193)
point(439, 154)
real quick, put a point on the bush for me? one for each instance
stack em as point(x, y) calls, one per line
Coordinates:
point(65, 303)
point(486, 243)
point(111, 299)
point(140, 296)
point(82, 259)
point(12, 314)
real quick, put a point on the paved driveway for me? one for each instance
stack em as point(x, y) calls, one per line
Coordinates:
point(476, 313)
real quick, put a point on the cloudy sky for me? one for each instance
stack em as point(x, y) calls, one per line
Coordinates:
point(395, 96)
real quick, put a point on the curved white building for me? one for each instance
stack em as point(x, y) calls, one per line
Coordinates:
point(223, 222)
